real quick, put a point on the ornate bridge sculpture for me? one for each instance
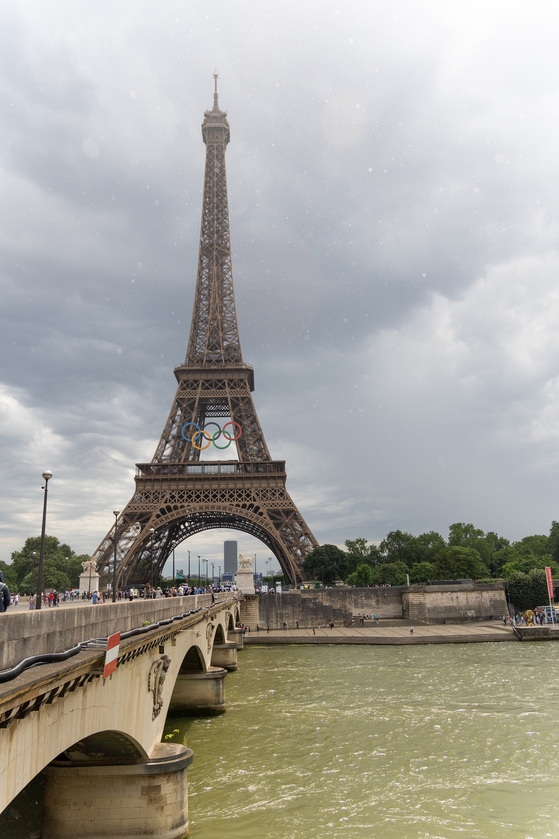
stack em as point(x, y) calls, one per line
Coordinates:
point(178, 493)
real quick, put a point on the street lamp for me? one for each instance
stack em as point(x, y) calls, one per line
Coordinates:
point(198, 570)
point(189, 568)
point(116, 514)
point(173, 567)
point(67, 578)
point(152, 531)
point(219, 569)
point(47, 475)
point(213, 572)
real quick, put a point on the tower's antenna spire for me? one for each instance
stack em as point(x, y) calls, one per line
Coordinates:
point(216, 77)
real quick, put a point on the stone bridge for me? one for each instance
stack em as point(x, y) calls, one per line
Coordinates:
point(98, 741)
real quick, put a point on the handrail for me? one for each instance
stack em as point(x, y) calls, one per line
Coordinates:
point(218, 467)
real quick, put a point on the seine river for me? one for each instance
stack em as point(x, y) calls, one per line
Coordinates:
point(388, 742)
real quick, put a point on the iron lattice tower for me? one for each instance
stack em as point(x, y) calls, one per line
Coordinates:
point(178, 493)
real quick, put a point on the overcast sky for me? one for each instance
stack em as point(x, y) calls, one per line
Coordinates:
point(393, 177)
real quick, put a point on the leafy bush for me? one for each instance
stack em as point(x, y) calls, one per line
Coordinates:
point(528, 590)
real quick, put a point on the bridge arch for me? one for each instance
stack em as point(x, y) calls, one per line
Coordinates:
point(106, 745)
point(194, 661)
point(119, 720)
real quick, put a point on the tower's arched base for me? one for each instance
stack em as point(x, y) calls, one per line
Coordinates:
point(179, 500)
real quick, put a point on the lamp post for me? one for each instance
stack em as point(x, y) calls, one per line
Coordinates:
point(116, 514)
point(219, 569)
point(189, 568)
point(67, 578)
point(47, 475)
point(151, 532)
point(254, 575)
point(173, 567)
point(213, 572)
point(198, 570)
point(207, 564)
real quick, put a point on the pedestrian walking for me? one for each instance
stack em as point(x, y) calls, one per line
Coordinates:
point(5, 598)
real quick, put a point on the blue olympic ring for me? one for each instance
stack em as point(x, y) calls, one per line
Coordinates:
point(201, 434)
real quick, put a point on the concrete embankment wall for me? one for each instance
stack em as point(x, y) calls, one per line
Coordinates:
point(418, 604)
point(25, 633)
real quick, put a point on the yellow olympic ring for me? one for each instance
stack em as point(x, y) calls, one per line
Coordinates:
point(206, 435)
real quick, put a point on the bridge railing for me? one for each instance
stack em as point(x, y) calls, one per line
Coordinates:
point(29, 633)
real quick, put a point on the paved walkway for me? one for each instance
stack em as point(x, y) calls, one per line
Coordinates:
point(77, 604)
point(447, 634)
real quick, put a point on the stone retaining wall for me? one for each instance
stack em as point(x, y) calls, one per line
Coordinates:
point(418, 604)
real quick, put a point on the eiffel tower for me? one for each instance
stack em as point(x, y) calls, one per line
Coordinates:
point(179, 493)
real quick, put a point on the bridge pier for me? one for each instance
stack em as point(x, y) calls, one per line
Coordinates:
point(199, 691)
point(236, 635)
point(225, 655)
point(108, 800)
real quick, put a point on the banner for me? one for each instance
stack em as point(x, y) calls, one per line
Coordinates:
point(549, 579)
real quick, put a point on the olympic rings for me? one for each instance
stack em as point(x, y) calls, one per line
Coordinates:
point(200, 433)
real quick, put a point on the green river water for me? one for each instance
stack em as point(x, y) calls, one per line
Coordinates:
point(411, 742)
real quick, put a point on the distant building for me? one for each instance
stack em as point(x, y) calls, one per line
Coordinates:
point(230, 555)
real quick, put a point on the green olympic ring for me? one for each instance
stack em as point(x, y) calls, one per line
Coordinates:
point(201, 433)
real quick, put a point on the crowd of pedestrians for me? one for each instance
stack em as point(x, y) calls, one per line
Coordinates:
point(53, 599)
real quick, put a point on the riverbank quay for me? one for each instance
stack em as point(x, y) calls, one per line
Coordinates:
point(448, 603)
point(392, 635)
point(537, 633)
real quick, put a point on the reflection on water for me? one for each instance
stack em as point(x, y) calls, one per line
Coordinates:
point(423, 742)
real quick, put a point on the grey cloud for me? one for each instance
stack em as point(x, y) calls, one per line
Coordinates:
point(384, 165)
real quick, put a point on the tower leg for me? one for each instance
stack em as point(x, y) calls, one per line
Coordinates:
point(146, 799)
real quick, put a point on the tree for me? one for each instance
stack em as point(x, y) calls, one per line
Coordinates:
point(538, 545)
point(553, 544)
point(488, 545)
point(326, 563)
point(527, 563)
point(398, 546)
point(61, 569)
point(456, 563)
point(391, 573)
point(421, 572)
point(429, 544)
point(361, 551)
point(361, 577)
point(528, 590)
